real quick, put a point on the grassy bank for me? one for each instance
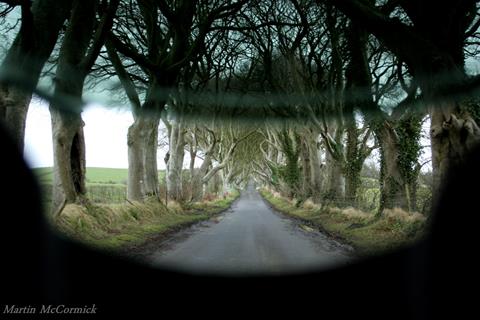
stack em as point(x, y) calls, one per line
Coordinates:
point(367, 234)
point(117, 226)
point(109, 222)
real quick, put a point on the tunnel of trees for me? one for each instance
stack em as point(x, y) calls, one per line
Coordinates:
point(340, 103)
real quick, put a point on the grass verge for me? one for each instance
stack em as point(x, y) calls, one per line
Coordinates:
point(367, 234)
point(117, 226)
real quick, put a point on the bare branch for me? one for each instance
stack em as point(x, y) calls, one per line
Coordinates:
point(100, 35)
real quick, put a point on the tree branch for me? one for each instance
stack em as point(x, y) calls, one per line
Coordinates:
point(401, 39)
point(100, 36)
point(130, 52)
point(471, 31)
point(124, 77)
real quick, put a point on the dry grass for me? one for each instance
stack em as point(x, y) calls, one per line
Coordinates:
point(402, 215)
point(353, 213)
point(335, 210)
point(275, 194)
point(368, 233)
point(310, 205)
point(76, 217)
point(116, 225)
point(209, 197)
point(174, 205)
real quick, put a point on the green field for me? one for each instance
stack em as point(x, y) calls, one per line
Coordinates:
point(104, 185)
point(94, 175)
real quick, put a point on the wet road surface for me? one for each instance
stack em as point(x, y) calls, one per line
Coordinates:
point(249, 238)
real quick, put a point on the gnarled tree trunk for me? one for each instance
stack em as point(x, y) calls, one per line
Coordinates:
point(16, 102)
point(316, 167)
point(69, 160)
point(25, 59)
point(198, 181)
point(175, 161)
point(67, 125)
point(433, 49)
point(307, 184)
point(453, 135)
point(334, 188)
point(392, 183)
point(74, 63)
point(352, 165)
point(358, 97)
point(142, 157)
point(136, 154)
point(335, 181)
point(151, 147)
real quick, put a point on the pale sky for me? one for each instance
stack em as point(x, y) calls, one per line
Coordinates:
point(105, 136)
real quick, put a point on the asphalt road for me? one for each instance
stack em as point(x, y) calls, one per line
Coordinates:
point(249, 238)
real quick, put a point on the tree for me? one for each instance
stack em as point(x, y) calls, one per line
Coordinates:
point(80, 48)
point(432, 45)
point(41, 23)
point(219, 149)
point(175, 36)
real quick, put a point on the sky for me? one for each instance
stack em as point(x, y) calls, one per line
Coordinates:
point(105, 136)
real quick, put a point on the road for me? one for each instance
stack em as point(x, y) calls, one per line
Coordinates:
point(249, 238)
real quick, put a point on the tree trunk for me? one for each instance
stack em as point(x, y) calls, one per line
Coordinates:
point(136, 155)
point(198, 179)
point(151, 184)
point(16, 104)
point(175, 162)
point(335, 181)
point(412, 189)
point(197, 187)
point(316, 169)
point(193, 156)
point(214, 184)
point(26, 58)
point(142, 157)
point(452, 137)
point(69, 160)
point(434, 54)
point(355, 155)
point(291, 172)
point(352, 172)
point(306, 169)
point(392, 183)
point(67, 125)
point(227, 178)
point(143, 146)
point(358, 97)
